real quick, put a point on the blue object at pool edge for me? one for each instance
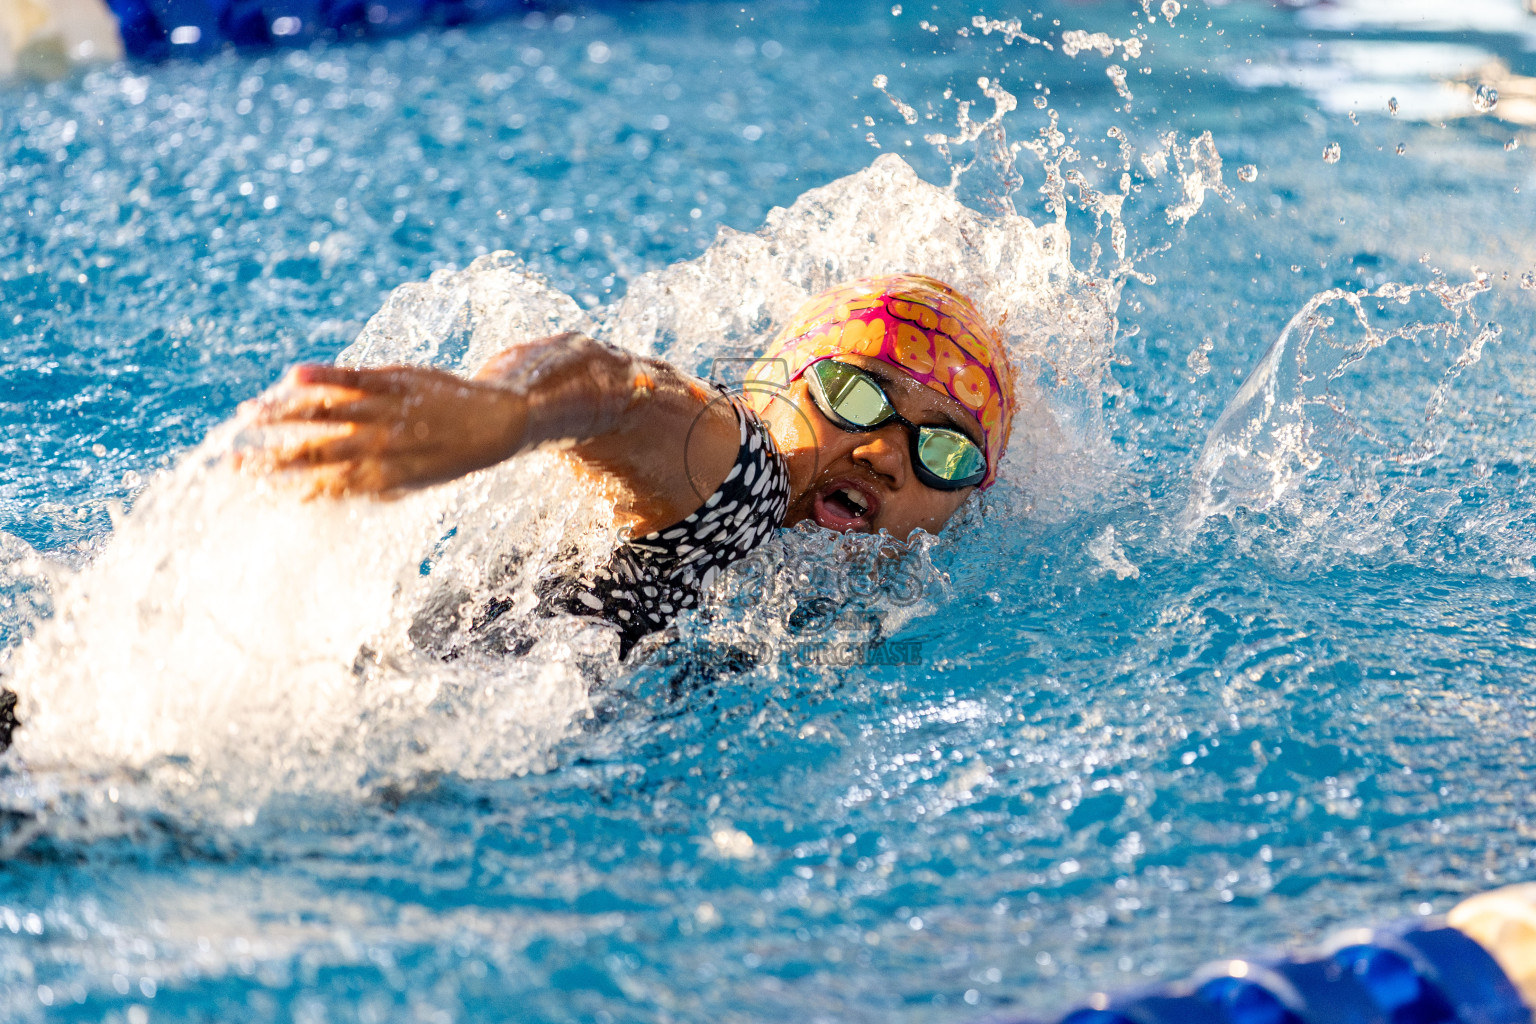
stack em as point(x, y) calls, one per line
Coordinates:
point(1409, 974)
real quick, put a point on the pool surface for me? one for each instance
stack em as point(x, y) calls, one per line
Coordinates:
point(1233, 656)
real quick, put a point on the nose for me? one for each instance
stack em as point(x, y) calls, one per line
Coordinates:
point(886, 453)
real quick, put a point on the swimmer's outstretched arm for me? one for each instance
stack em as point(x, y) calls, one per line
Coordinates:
point(655, 433)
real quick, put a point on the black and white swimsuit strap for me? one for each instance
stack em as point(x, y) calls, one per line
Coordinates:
point(650, 579)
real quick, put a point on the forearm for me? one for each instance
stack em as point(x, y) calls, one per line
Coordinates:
point(660, 434)
point(571, 387)
point(389, 429)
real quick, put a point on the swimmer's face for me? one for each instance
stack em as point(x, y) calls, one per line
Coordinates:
point(863, 482)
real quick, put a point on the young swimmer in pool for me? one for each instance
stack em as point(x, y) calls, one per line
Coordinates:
point(881, 406)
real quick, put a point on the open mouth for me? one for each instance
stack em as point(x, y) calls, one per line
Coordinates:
point(846, 505)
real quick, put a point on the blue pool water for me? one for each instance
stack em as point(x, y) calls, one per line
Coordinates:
point(1164, 706)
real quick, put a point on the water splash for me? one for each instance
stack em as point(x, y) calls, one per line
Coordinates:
point(1300, 417)
point(26, 585)
point(1116, 75)
point(906, 110)
point(1198, 170)
point(1012, 31)
point(224, 631)
point(1075, 41)
point(1109, 556)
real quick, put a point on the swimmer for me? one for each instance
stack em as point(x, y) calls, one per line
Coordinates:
point(882, 406)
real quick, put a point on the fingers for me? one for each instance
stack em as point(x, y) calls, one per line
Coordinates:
point(322, 373)
point(377, 431)
point(367, 477)
point(390, 380)
point(357, 443)
point(361, 461)
point(348, 479)
point(321, 405)
point(337, 468)
point(333, 394)
point(301, 397)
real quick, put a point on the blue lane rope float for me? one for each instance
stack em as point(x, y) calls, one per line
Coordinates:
point(157, 29)
point(1414, 973)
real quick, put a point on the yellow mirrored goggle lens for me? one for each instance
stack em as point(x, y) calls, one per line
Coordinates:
point(948, 454)
point(852, 395)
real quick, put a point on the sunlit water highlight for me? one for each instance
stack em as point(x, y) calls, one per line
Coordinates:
point(1236, 652)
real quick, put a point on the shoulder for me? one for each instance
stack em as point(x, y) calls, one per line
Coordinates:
point(758, 481)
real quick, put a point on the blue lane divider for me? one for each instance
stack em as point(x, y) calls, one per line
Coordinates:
point(1413, 973)
point(157, 29)
point(1464, 972)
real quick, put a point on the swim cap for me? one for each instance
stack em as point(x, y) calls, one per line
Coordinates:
point(920, 325)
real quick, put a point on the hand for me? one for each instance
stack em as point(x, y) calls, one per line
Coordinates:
point(381, 431)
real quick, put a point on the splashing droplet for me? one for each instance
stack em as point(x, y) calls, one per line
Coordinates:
point(1012, 29)
point(1402, 147)
point(896, 11)
point(1392, 106)
point(1116, 74)
point(881, 81)
point(1511, 145)
point(1171, 9)
point(1041, 102)
point(1247, 172)
point(1199, 361)
point(1485, 99)
point(1331, 153)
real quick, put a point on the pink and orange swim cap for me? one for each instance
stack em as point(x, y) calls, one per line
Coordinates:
point(915, 323)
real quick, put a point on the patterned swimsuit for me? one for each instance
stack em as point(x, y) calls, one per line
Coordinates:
point(648, 581)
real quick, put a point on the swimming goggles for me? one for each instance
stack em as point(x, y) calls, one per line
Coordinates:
point(852, 399)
